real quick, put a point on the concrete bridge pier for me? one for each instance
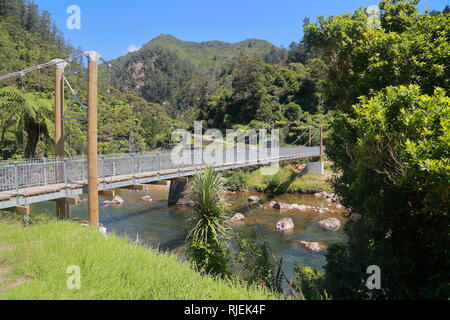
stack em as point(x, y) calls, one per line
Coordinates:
point(178, 193)
point(315, 167)
point(62, 209)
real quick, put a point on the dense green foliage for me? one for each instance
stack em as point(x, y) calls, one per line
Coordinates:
point(391, 149)
point(28, 115)
point(25, 115)
point(238, 180)
point(168, 83)
point(257, 265)
point(257, 95)
point(384, 89)
point(410, 48)
point(245, 84)
point(127, 122)
point(396, 173)
point(27, 16)
point(309, 283)
point(181, 74)
point(207, 248)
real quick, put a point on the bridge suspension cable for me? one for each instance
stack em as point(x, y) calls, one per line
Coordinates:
point(301, 136)
point(23, 72)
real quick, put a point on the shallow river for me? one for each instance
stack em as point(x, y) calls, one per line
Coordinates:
point(155, 224)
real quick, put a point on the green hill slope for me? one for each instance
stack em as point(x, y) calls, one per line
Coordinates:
point(214, 54)
point(166, 69)
point(35, 260)
point(127, 122)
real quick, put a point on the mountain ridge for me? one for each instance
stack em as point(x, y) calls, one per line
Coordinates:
point(212, 53)
point(169, 36)
point(163, 67)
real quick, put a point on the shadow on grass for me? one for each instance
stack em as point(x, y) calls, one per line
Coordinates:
point(277, 187)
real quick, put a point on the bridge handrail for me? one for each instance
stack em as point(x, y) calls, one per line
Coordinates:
point(33, 173)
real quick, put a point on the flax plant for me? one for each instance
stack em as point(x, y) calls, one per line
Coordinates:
point(208, 233)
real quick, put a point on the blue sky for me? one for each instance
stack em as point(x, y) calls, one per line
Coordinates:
point(115, 26)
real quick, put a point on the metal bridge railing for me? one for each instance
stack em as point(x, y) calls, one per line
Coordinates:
point(33, 173)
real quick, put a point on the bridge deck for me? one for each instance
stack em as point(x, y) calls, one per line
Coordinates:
point(37, 182)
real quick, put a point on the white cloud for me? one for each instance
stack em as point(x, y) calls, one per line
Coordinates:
point(133, 48)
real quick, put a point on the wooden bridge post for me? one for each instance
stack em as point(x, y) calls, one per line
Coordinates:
point(321, 144)
point(92, 138)
point(310, 137)
point(62, 209)
point(59, 110)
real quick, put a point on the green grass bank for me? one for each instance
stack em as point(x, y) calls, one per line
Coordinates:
point(34, 262)
point(287, 180)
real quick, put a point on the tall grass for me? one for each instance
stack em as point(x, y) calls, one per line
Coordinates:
point(111, 267)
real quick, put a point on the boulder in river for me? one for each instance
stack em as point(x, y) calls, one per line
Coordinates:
point(321, 194)
point(281, 206)
point(285, 224)
point(331, 224)
point(254, 199)
point(147, 199)
point(330, 197)
point(117, 200)
point(237, 217)
point(314, 246)
point(300, 207)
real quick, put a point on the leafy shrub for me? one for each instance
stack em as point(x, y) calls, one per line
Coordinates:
point(309, 282)
point(256, 264)
point(238, 181)
point(394, 156)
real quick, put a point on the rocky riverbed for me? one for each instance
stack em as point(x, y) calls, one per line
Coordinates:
point(304, 237)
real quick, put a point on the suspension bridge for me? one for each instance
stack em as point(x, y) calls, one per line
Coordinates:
point(61, 179)
point(35, 180)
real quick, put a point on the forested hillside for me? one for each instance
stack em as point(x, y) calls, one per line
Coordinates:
point(177, 73)
point(28, 37)
point(248, 84)
point(168, 83)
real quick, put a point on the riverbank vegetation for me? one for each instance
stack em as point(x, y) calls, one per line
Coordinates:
point(210, 236)
point(289, 179)
point(391, 146)
point(34, 261)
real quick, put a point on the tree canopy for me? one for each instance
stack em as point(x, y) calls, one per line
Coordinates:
point(390, 147)
point(410, 48)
